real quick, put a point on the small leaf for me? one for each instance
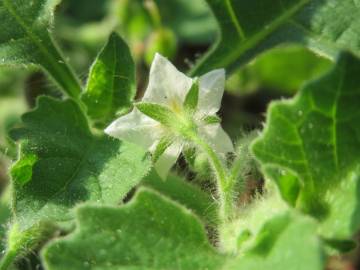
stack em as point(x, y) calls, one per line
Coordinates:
point(159, 113)
point(250, 27)
point(25, 40)
point(161, 147)
point(111, 84)
point(114, 238)
point(313, 143)
point(192, 97)
point(72, 165)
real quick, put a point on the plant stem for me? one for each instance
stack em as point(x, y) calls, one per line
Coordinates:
point(224, 181)
point(7, 259)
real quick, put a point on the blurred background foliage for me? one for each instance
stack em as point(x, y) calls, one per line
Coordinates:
point(182, 30)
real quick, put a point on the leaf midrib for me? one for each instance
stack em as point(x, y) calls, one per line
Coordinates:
point(255, 39)
point(48, 56)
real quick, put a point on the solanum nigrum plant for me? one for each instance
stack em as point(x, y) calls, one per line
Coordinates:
point(93, 185)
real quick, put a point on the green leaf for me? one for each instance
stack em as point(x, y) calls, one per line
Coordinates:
point(251, 27)
point(25, 40)
point(111, 84)
point(185, 193)
point(278, 246)
point(72, 165)
point(192, 22)
point(192, 97)
point(310, 147)
point(295, 63)
point(161, 147)
point(114, 238)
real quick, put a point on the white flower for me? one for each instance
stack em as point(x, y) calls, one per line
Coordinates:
point(169, 87)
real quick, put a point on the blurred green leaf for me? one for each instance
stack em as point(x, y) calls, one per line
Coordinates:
point(191, 20)
point(251, 27)
point(111, 85)
point(72, 165)
point(283, 69)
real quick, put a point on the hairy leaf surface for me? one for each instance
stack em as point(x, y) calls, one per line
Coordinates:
point(62, 164)
point(25, 39)
point(149, 233)
point(250, 27)
point(114, 238)
point(310, 148)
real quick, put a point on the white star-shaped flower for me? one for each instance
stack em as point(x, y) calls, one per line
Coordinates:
point(169, 87)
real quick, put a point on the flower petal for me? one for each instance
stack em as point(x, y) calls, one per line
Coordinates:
point(135, 127)
point(211, 90)
point(166, 83)
point(217, 138)
point(168, 159)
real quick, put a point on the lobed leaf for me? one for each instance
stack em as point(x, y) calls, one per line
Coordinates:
point(114, 238)
point(69, 164)
point(310, 149)
point(251, 27)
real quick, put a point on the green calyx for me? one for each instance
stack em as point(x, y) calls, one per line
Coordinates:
point(176, 120)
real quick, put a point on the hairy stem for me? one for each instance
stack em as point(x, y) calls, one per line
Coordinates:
point(224, 181)
point(8, 259)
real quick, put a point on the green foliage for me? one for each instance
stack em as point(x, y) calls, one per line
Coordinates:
point(25, 39)
point(175, 240)
point(114, 238)
point(287, 241)
point(250, 27)
point(189, 195)
point(272, 70)
point(310, 148)
point(285, 198)
point(111, 83)
point(71, 166)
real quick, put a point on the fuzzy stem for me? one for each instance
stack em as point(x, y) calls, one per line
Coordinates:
point(8, 259)
point(225, 184)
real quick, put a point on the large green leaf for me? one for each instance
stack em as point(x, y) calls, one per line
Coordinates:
point(114, 238)
point(62, 164)
point(25, 39)
point(111, 83)
point(250, 27)
point(149, 233)
point(310, 148)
